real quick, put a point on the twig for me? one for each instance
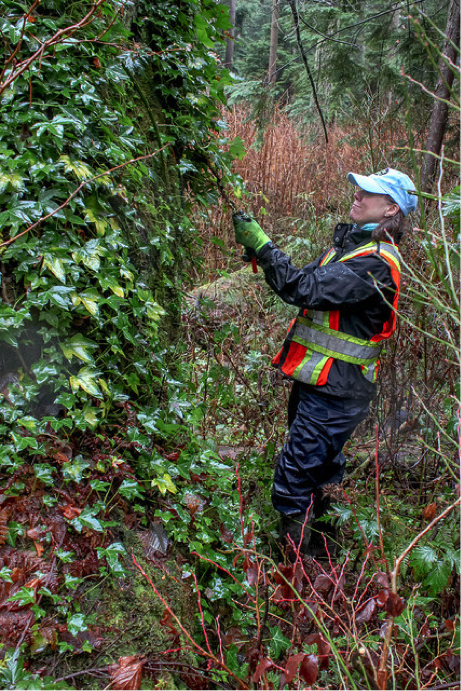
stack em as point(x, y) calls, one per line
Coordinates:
point(450, 685)
point(414, 542)
point(22, 67)
point(202, 618)
point(294, 11)
point(378, 517)
point(76, 191)
point(95, 672)
point(19, 44)
point(195, 645)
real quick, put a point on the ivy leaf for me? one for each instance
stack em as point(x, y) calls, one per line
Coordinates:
point(87, 519)
point(130, 489)
point(164, 484)
point(76, 624)
point(112, 554)
point(85, 379)
point(100, 223)
point(78, 346)
point(75, 468)
point(13, 180)
point(56, 267)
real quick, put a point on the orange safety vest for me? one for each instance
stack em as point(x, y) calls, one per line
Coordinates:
point(315, 339)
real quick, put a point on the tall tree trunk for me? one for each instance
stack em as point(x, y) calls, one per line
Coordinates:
point(229, 59)
point(271, 76)
point(439, 115)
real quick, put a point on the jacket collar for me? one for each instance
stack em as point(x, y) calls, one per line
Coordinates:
point(348, 235)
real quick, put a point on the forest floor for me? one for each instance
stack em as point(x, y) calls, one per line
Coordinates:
point(195, 592)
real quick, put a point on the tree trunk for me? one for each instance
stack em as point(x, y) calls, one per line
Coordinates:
point(229, 59)
point(439, 115)
point(271, 76)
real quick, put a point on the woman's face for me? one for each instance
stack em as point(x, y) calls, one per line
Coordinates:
point(371, 208)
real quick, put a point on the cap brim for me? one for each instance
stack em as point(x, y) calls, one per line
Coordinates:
point(366, 183)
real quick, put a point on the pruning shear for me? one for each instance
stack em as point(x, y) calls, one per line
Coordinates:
point(246, 257)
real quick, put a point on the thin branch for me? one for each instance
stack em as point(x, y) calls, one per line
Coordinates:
point(327, 38)
point(415, 541)
point(294, 11)
point(19, 43)
point(378, 517)
point(23, 66)
point(194, 644)
point(76, 191)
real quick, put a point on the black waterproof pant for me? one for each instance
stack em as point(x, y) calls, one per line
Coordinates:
point(312, 457)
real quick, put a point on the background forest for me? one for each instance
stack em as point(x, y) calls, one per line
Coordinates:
point(140, 417)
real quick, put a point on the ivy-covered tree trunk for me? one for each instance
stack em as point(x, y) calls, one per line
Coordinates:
point(108, 122)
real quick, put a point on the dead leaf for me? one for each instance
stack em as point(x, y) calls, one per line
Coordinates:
point(226, 534)
point(4, 514)
point(429, 511)
point(382, 579)
point(127, 674)
point(292, 666)
point(382, 597)
point(39, 548)
point(366, 612)
point(264, 665)
point(34, 533)
point(251, 571)
point(323, 583)
point(395, 605)
point(309, 669)
point(71, 512)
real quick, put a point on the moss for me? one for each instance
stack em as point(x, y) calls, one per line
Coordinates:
point(127, 614)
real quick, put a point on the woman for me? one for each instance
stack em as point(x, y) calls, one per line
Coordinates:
point(348, 299)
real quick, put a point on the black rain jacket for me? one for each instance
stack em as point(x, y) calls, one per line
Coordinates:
point(349, 287)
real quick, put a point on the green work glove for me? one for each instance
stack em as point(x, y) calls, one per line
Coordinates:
point(248, 232)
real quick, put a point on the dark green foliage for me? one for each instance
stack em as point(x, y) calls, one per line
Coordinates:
point(105, 142)
point(356, 52)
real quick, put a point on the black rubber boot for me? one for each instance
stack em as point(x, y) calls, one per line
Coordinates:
point(296, 529)
point(324, 537)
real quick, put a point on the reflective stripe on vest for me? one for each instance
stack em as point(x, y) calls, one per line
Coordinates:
point(315, 339)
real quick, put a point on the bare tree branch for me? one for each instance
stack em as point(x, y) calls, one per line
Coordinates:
point(294, 11)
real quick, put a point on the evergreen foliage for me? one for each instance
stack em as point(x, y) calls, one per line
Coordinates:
point(356, 51)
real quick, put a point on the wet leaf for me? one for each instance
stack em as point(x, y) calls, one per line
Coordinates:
point(366, 612)
point(429, 511)
point(226, 534)
point(127, 674)
point(264, 665)
point(382, 579)
point(251, 571)
point(322, 583)
point(395, 605)
point(309, 669)
point(292, 666)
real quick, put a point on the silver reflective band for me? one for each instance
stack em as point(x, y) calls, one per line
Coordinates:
point(307, 370)
point(335, 345)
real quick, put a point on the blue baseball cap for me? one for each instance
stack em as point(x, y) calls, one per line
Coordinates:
point(392, 182)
